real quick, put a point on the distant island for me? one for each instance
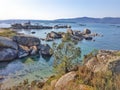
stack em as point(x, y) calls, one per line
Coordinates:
point(110, 20)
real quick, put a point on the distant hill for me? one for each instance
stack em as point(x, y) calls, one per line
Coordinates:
point(110, 20)
point(92, 20)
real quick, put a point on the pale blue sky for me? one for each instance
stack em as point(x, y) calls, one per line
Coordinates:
point(54, 9)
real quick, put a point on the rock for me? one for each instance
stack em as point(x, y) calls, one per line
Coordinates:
point(34, 50)
point(26, 40)
point(8, 54)
point(77, 33)
point(77, 38)
point(49, 39)
point(115, 66)
point(64, 80)
point(7, 43)
point(33, 32)
point(23, 51)
point(45, 50)
point(61, 26)
point(70, 31)
point(86, 31)
point(40, 84)
point(88, 37)
point(53, 35)
point(105, 60)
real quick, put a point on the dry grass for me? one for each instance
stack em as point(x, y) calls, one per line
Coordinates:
point(7, 33)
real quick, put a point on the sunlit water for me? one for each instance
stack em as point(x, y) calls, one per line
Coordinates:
point(38, 68)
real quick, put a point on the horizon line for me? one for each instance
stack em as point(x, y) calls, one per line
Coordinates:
point(60, 18)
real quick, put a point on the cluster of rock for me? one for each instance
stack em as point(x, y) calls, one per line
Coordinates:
point(20, 26)
point(20, 46)
point(76, 35)
point(28, 25)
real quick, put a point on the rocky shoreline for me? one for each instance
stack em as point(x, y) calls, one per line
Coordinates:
point(20, 46)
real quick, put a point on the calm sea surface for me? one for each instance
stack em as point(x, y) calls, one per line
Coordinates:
point(39, 68)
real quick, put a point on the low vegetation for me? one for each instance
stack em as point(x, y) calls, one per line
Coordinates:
point(7, 32)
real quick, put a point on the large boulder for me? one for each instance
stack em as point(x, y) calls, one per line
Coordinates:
point(54, 35)
point(64, 80)
point(105, 60)
point(86, 31)
point(8, 54)
point(7, 43)
point(45, 50)
point(26, 40)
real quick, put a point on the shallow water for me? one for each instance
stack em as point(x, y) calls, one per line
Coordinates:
point(39, 68)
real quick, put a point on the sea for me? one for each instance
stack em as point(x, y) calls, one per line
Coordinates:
point(40, 68)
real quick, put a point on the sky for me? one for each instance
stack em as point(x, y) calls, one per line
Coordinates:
point(56, 9)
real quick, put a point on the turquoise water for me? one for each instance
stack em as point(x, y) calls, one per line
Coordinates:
point(39, 68)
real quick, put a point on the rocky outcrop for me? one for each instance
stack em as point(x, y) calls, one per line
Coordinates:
point(74, 35)
point(18, 47)
point(64, 80)
point(28, 45)
point(26, 40)
point(105, 60)
point(53, 35)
